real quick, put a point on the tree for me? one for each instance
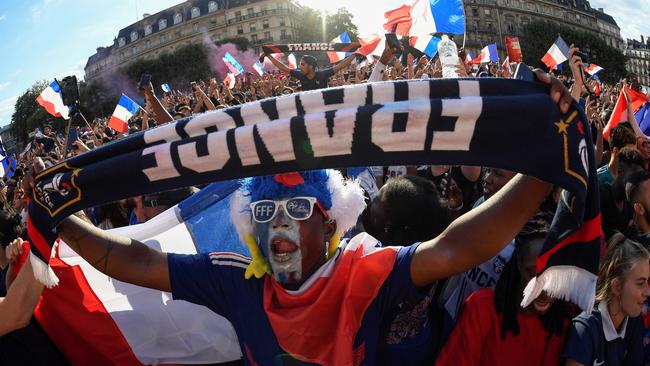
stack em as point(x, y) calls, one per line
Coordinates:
point(311, 25)
point(539, 35)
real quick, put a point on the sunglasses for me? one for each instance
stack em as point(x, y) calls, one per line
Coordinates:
point(297, 208)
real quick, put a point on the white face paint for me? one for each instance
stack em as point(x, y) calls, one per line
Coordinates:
point(283, 248)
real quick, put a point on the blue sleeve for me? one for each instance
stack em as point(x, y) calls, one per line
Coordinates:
point(327, 72)
point(399, 286)
point(195, 279)
point(295, 73)
point(635, 347)
point(579, 344)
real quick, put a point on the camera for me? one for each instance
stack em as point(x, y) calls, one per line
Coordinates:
point(69, 90)
point(583, 56)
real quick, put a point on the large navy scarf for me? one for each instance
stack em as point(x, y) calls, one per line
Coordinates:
point(508, 124)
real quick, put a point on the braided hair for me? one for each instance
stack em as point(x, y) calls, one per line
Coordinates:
point(508, 292)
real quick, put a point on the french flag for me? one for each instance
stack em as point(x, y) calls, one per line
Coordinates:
point(427, 44)
point(338, 56)
point(593, 69)
point(557, 54)
point(52, 100)
point(234, 66)
point(488, 54)
point(124, 110)
point(469, 57)
point(292, 61)
point(258, 67)
point(370, 45)
point(229, 81)
point(637, 99)
point(165, 87)
point(425, 17)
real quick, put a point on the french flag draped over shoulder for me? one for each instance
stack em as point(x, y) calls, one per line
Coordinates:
point(232, 64)
point(124, 110)
point(421, 17)
point(557, 54)
point(427, 44)
point(96, 320)
point(52, 100)
point(338, 56)
point(620, 111)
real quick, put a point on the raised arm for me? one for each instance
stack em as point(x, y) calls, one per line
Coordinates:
point(343, 64)
point(160, 113)
point(284, 68)
point(122, 258)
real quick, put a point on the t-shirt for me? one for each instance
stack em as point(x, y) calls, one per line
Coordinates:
point(476, 340)
point(29, 346)
point(604, 175)
point(612, 217)
point(219, 284)
point(593, 340)
point(318, 82)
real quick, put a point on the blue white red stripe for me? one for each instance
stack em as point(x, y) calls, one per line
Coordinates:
point(424, 17)
point(338, 56)
point(124, 110)
point(52, 100)
point(292, 61)
point(557, 54)
point(593, 69)
point(427, 44)
point(258, 67)
point(232, 64)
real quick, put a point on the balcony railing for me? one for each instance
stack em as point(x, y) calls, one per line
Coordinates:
point(242, 18)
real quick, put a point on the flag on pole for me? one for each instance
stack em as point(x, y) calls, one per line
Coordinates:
point(469, 57)
point(8, 167)
point(488, 54)
point(505, 66)
point(620, 111)
point(165, 87)
point(370, 44)
point(423, 17)
point(592, 69)
point(338, 56)
point(292, 61)
point(427, 44)
point(557, 54)
point(52, 100)
point(234, 66)
point(258, 67)
point(229, 81)
point(124, 110)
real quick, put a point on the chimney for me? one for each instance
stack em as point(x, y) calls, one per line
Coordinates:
point(145, 15)
point(642, 41)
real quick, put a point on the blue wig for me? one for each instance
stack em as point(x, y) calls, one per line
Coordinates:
point(268, 188)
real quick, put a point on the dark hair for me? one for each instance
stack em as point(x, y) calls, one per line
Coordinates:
point(413, 211)
point(620, 136)
point(310, 60)
point(633, 185)
point(9, 228)
point(115, 212)
point(630, 156)
point(508, 292)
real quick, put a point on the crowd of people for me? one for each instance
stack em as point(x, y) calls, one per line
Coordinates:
point(454, 298)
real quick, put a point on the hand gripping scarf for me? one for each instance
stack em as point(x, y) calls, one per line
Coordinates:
point(509, 124)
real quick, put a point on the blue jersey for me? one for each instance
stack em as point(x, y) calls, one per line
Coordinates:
point(217, 281)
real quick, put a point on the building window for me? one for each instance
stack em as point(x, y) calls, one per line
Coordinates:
point(163, 38)
point(254, 38)
point(267, 36)
point(511, 27)
point(212, 6)
point(240, 29)
point(134, 36)
point(147, 30)
point(162, 24)
point(253, 27)
point(282, 23)
point(121, 42)
point(475, 12)
point(238, 14)
point(265, 24)
point(489, 25)
point(283, 34)
point(178, 17)
point(249, 11)
point(147, 44)
point(487, 12)
point(195, 27)
point(134, 50)
point(195, 12)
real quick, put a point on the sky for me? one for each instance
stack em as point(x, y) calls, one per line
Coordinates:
point(46, 39)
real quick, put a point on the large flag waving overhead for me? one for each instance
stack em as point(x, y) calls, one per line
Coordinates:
point(338, 56)
point(52, 100)
point(643, 117)
point(124, 110)
point(424, 17)
point(620, 111)
point(427, 44)
point(557, 54)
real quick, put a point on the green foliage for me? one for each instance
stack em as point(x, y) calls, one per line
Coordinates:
point(539, 35)
point(311, 25)
point(241, 42)
point(28, 114)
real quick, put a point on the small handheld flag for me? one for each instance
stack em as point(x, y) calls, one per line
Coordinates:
point(593, 69)
point(165, 87)
point(338, 56)
point(229, 81)
point(259, 68)
point(234, 66)
point(52, 100)
point(292, 61)
point(427, 44)
point(124, 110)
point(557, 54)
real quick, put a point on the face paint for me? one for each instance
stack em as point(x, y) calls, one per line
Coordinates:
point(280, 243)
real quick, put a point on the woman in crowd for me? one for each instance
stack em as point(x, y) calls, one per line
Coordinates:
point(612, 334)
point(494, 329)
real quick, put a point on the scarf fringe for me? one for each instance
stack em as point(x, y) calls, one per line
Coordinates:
point(566, 283)
point(43, 272)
